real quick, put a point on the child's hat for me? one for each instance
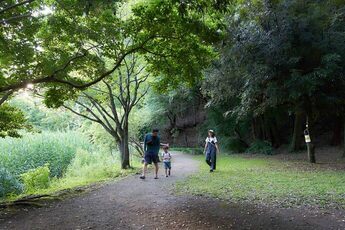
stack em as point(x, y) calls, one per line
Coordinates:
point(211, 131)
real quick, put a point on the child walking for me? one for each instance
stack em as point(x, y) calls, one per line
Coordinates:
point(166, 160)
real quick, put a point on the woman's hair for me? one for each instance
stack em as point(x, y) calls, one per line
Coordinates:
point(212, 134)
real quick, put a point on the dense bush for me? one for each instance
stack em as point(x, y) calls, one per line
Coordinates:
point(260, 147)
point(9, 183)
point(234, 145)
point(32, 151)
point(36, 178)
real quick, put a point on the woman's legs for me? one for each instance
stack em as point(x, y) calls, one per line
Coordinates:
point(214, 160)
point(208, 158)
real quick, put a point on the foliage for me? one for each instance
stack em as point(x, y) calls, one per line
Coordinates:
point(260, 147)
point(11, 121)
point(36, 178)
point(268, 181)
point(58, 149)
point(68, 46)
point(9, 183)
point(42, 118)
point(279, 58)
point(233, 133)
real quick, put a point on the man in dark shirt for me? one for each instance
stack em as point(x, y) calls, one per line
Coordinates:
point(151, 148)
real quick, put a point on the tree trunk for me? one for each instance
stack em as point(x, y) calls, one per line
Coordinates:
point(337, 130)
point(124, 149)
point(344, 139)
point(254, 132)
point(275, 138)
point(311, 149)
point(297, 136)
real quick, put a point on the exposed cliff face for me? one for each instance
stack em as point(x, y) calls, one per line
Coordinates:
point(183, 129)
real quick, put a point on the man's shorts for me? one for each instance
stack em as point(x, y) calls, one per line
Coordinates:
point(167, 165)
point(151, 157)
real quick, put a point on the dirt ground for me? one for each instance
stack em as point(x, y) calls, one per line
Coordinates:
point(150, 204)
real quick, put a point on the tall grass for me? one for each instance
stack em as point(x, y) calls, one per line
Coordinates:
point(57, 149)
point(20, 155)
point(53, 161)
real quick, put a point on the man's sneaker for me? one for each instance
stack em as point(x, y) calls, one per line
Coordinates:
point(156, 177)
point(211, 170)
point(142, 177)
point(166, 175)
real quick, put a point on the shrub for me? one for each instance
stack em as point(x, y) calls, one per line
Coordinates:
point(260, 147)
point(9, 184)
point(36, 178)
point(234, 145)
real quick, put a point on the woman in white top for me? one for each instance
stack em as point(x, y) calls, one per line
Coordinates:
point(211, 149)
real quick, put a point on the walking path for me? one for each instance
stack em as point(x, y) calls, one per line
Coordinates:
point(132, 203)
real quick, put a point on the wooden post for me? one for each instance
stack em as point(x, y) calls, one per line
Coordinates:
point(311, 152)
point(310, 145)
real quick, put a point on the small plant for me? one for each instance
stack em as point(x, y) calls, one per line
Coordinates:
point(36, 179)
point(260, 147)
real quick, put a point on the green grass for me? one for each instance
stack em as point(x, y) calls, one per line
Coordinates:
point(268, 181)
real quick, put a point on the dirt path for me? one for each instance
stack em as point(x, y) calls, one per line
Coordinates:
point(134, 204)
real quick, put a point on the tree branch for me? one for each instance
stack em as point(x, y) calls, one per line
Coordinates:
point(112, 104)
point(80, 114)
point(100, 108)
point(6, 21)
point(53, 78)
point(15, 5)
point(6, 96)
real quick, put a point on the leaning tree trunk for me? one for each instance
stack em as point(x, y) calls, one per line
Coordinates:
point(297, 136)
